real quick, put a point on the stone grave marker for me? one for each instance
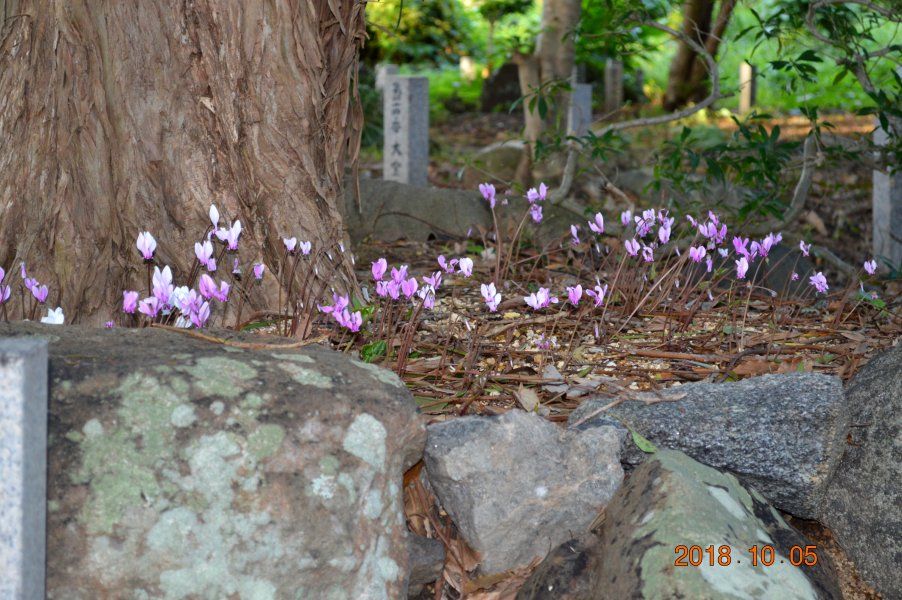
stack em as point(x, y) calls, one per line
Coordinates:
point(579, 113)
point(384, 70)
point(23, 468)
point(748, 87)
point(887, 208)
point(405, 151)
point(613, 85)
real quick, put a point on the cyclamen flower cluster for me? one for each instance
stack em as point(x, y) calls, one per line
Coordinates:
point(189, 306)
point(344, 317)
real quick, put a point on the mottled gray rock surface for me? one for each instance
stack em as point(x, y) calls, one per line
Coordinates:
point(781, 434)
point(180, 468)
point(864, 497)
point(517, 485)
point(427, 559)
point(673, 500)
point(393, 211)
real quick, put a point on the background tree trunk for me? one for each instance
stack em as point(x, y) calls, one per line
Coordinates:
point(688, 78)
point(120, 117)
point(553, 60)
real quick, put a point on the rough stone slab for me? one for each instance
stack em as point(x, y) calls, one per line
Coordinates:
point(384, 70)
point(579, 111)
point(180, 468)
point(781, 434)
point(517, 486)
point(393, 211)
point(863, 507)
point(613, 86)
point(23, 468)
point(673, 500)
point(405, 151)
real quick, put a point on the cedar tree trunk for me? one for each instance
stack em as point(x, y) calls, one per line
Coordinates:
point(120, 117)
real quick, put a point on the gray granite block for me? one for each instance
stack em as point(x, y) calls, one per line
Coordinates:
point(23, 467)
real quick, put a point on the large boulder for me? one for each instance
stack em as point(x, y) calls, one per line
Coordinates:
point(864, 498)
point(781, 434)
point(517, 486)
point(180, 468)
point(390, 211)
point(672, 501)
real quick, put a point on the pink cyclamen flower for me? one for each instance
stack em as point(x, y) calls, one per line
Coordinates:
point(129, 301)
point(379, 268)
point(427, 294)
point(447, 265)
point(540, 299)
point(632, 247)
point(434, 281)
point(2, 274)
point(575, 294)
point(305, 248)
point(491, 296)
point(259, 269)
point(203, 252)
point(723, 252)
point(207, 287)
point(109, 324)
point(40, 292)
point(598, 293)
point(214, 216)
point(5, 292)
point(805, 248)
point(625, 217)
point(869, 265)
point(664, 231)
point(162, 284)
point(290, 244)
point(200, 316)
point(409, 287)
point(399, 275)
point(819, 282)
point(597, 223)
point(696, 254)
point(794, 276)
point(742, 267)
point(222, 294)
point(230, 236)
point(574, 235)
point(709, 263)
point(535, 211)
point(537, 195)
point(146, 245)
point(739, 244)
point(648, 254)
point(488, 192)
point(466, 266)
point(149, 306)
point(236, 269)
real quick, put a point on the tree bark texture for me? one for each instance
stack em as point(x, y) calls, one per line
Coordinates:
point(552, 60)
point(688, 76)
point(119, 117)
